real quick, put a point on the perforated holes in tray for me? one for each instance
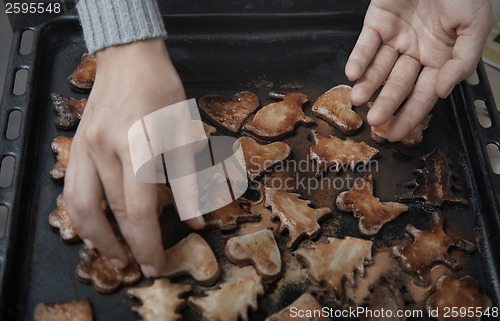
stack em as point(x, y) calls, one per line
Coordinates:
point(14, 124)
point(482, 113)
point(7, 171)
point(26, 42)
point(20, 82)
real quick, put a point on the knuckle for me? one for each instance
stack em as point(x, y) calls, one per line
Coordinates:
point(95, 135)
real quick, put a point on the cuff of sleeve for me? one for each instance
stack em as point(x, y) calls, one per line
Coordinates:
point(108, 23)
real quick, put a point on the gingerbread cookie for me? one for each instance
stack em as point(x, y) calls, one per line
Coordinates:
point(278, 119)
point(192, 256)
point(82, 79)
point(160, 301)
point(330, 263)
point(260, 158)
point(434, 182)
point(372, 213)
point(333, 152)
point(231, 113)
point(231, 302)
point(295, 214)
point(428, 248)
point(459, 295)
point(95, 268)
point(68, 110)
point(230, 216)
point(59, 220)
point(335, 107)
point(61, 146)
point(259, 249)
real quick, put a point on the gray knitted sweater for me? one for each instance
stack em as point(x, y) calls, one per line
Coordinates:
point(110, 22)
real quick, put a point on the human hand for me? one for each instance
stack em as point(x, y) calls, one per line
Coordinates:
point(446, 37)
point(132, 81)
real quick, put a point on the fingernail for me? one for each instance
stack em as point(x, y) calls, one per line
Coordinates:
point(88, 243)
point(148, 271)
point(117, 263)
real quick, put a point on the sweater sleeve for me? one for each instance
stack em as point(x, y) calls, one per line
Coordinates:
point(111, 22)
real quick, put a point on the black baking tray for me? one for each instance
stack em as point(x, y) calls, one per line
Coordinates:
point(223, 53)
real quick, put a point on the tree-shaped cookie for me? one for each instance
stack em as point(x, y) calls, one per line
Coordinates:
point(229, 113)
point(336, 153)
point(371, 212)
point(261, 158)
point(295, 214)
point(68, 110)
point(75, 310)
point(305, 303)
point(259, 249)
point(328, 264)
point(59, 219)
point(83, 77)
point(428, 248)
point(228, 217)
point(192, 256)
point(61, 147)
point(231, 302)
point(434, 182)
point(335, 106)
point(161, 301)
point(378, 133)
point(278, 119)
point(97, 269)
point(459, 295)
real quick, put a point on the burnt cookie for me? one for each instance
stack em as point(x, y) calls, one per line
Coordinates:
point(368, 209)
point(192, 256)
point(306, 303)
point(231, 301)
point(68, 110)
point(82, 79)
point(258, 249)
point(261, 158)
point(230, 114)
point(279, 119)
point(161, 301)
point(334, 153)
point(230, 216)
point(434, 183)
point(61, 147)
point(387, 295)
point(59, 220)
point(75, 310)
point(330, 263)
point(378, 133)
point(335, 107)
point(461, 294)
point(429, 247)
point(295, 214)
point(95, 268)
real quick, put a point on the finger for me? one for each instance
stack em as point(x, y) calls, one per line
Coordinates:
point(140, 226)
point(466, 54)
point(362, 53)
point(374, 75)
point(83, 197)
point(398, 86)
point(419, 104)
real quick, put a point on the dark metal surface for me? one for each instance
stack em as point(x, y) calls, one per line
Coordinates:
point(223, 54)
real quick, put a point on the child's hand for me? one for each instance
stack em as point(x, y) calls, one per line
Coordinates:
point(446, 37)
point(132, 81)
